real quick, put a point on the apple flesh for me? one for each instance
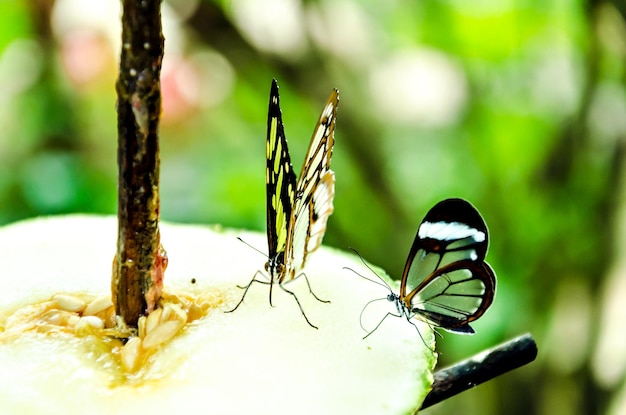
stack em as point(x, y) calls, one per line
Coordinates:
point(257, 359)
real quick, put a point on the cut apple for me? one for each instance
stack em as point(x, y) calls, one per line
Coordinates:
point(258, 359)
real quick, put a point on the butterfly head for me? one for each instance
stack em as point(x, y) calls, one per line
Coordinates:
point(400, 303)
point(275, 267)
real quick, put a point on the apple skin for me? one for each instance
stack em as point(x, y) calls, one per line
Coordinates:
point(258, 359)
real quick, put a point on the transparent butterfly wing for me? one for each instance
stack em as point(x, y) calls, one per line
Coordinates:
point(455, 295)
point(280, 180)
point(445, 279)
point(315, 191)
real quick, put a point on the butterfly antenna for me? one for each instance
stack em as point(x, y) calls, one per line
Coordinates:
point(383, 284)
point(260, 252)
point(366, 278)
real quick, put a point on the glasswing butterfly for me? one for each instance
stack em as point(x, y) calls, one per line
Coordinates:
point(297, 212)
point(446, 282)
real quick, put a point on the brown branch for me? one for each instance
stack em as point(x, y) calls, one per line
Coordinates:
point(481, 368)
point(140, 260)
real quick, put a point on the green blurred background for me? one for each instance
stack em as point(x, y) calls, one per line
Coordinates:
point(518, 106)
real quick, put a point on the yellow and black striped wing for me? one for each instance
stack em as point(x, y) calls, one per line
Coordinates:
point(315, 191)
point(280, 181)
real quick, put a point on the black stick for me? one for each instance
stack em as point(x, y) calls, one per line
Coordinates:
point(481, 368)
point(140, 260)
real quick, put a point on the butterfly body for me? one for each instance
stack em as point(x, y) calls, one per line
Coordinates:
point(297, 210)
point(446, 282)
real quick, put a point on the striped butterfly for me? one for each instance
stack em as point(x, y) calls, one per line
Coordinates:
point(446, 282)
point(297, 212)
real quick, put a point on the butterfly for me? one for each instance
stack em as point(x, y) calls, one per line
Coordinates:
point(446, 281)
point(297, 211)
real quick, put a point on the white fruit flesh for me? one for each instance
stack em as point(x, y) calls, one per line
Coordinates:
point(258, 359)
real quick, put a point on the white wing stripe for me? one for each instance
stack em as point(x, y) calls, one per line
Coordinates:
point(446, 231)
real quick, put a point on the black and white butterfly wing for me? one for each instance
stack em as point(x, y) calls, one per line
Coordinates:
point(315, 191)
point(280, 181)
point(445, 279)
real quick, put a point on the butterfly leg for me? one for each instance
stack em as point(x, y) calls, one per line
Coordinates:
point(308, 284)
point(364, 308)
point(420, 333)
point(246, 288)
point(379, 323)
point(299, 305)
